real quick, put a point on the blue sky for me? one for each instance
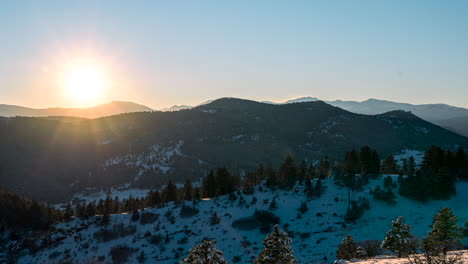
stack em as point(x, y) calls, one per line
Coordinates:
point(161, 53)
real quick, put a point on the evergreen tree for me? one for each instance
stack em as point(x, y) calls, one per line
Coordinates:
point(404, 167)
point(445, 234)
point(197, 194)
point(277, 249)
point(389, 165)
point(135, 216)
point(188, 190)
point(260, 172)
point(309, 190)
point(347, 248)
point(214, 219)
point(154, 198)
point(90, 210)
point(68, 213)
point(287, 173)
point(107, 210)
point(105, 218)
point(206, 253)
point(209, 186)
point(225, 183)
point(369, 160)
point(312, 172)
point(349, 168)
point(461, 164)
point(399, 239)
point(324, 168)
point(411, 166)
point(170, 192)
point(318, 188)
point(272, 179)
point(433, 160)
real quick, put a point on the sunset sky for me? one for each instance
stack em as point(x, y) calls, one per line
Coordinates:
point(161, 53)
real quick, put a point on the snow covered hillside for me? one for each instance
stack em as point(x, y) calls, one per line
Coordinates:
point(164, 235)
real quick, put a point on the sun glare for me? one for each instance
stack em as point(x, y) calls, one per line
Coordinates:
point(84, 83)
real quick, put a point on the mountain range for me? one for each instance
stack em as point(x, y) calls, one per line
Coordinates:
point(447, 116)
point(450, 117)
point(49, 159)
point(112, 108)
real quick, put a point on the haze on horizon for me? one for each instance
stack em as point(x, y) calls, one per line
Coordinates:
point(185, 52)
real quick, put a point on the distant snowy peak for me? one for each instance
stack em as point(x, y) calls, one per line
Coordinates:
point(176, 108)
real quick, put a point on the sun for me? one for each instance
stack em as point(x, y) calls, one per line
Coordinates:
point(84, 83)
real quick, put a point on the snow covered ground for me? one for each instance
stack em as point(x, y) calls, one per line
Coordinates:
point(407, 153)
point(463, 253)
point(315, 234)
point(156, 157)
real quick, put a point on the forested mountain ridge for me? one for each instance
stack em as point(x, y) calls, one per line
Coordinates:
point(50, 159)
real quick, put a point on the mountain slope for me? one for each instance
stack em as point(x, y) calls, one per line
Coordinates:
point(49, 159)
point(315, 234)
point(451, 117)
point(112, 108)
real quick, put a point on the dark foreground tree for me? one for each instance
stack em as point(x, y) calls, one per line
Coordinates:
point(347, 249)
point(445, 235)
point(399, 239)
point(277, 249)
point(206, 253)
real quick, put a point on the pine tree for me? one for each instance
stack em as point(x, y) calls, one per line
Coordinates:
point(277, 249)
point(153, 198)
point(309, 190)
point(287, 173)
point(197, 194)
point(461, 164)
point(347, 248)
point(445, 234)
point(170, 192)
point(135, 216)
point(272, 179)
point(68, 213)
point(350, 167)
point(90, 210)
point(324, 168)
point(389, 165)
point(214, 219)
point(312, 172)
point(206, 253)
point(318, 188)
point(399, 239)
point(411, 166)
point(209, 186)
point(368, 161)
point(188, 190)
